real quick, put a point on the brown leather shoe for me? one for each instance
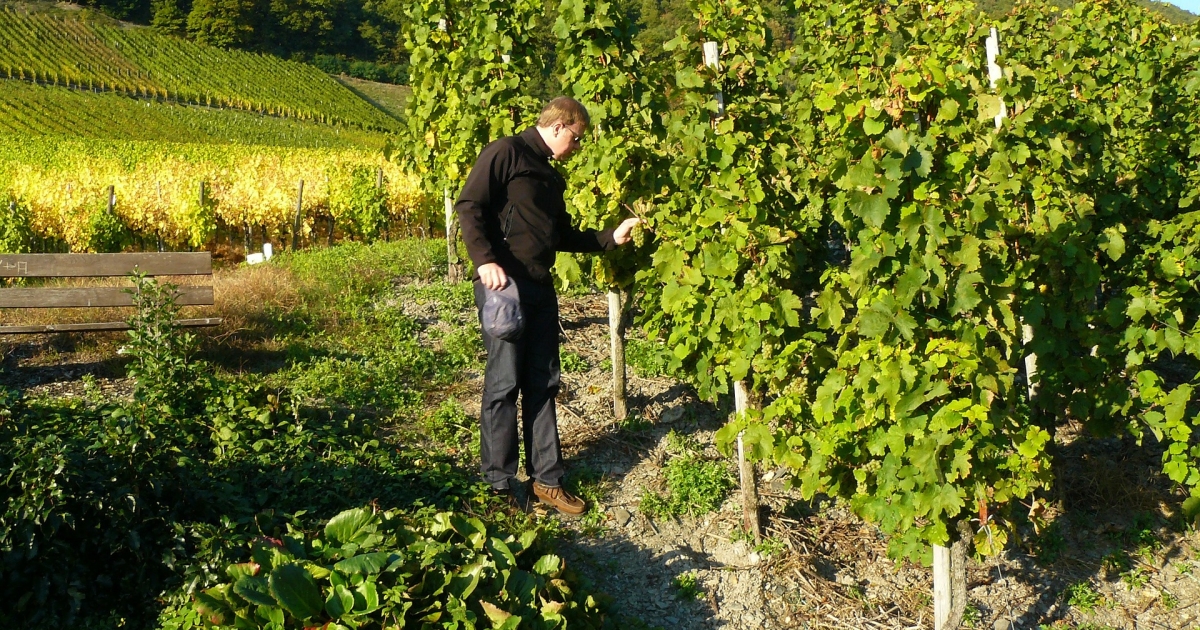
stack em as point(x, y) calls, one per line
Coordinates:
point(563, 501)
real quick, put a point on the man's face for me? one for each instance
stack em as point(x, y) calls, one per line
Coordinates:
point(564, 140)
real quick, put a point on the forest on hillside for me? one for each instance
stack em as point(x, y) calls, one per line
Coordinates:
point(362, 38)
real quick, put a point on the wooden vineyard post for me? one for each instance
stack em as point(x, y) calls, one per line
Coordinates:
point(112, 199)
point(332, 226)
point(616, 330)
point(299, 211)
point(742, 403)
point(454, 270)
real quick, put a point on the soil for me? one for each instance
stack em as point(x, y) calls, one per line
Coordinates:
point(1114, 554)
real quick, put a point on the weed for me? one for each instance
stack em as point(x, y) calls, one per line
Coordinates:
point(451, 300)
point(1083, 596)
point(1050, 544)
point(1169, 601)
point(770, 546)
point(679, 443)
point(695, 486)
point(463, 348)
point(163, 373)
point(573, 362)
point(590, 485)
point(1116, 562)
point(635, 423)
point(647, 358)
point(91, 390)
point(1142, 537)
point(450, 424)
point(1135, 578)
point(972, 616)
point(687, 586)
point(1184, 568)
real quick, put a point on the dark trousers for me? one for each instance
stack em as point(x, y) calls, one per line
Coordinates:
point(529, 367)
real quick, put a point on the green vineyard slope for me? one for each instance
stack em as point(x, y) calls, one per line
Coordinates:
point(29, 109)
point(64, 51)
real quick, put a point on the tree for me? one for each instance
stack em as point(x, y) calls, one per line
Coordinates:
point(170, 16)
point(225, 23)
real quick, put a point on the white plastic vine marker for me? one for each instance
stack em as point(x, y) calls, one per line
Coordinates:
point(994, 70)
point(941, 586)
point(712, 59)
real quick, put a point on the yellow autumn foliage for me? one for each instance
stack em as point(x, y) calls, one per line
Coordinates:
point(157, 186)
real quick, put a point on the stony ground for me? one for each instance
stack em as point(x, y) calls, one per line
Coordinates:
point(1115, 553)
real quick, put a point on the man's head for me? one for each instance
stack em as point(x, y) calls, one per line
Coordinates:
point(562, 124)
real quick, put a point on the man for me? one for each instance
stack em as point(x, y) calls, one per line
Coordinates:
point(514, 220)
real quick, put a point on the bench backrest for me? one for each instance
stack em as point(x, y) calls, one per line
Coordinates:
point(94, 266)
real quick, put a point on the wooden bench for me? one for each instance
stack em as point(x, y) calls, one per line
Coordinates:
point(99, 266)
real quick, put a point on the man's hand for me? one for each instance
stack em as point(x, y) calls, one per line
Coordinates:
point(492, 276)
point(621, 234)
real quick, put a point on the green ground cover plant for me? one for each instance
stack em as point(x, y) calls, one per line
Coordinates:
point(118, 510)
point(695, 485)
point(365, 569)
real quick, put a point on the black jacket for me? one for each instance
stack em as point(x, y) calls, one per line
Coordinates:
point(512, 211)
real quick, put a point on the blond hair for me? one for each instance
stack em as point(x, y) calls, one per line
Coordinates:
point(565, 110)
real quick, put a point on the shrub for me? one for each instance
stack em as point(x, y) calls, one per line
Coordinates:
point(16, 233)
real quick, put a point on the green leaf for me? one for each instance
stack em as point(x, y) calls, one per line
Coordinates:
point(1112, 243)
point(366, 598)
point(500, 618)
point(1191, 507)
point(758, 442)
point(367, 563)
point(548, 565)
point(1175, 404)
point(1136, 309)
point(948, 110)
point(1034, 442)
point(688, 78)
point(340, 602)
point(965, 295)
point(873, 127)
point(873, 322)
point(989, 106)
point(872, 209)
point(351, 526)
point(897, 140)
point(255, 590)
point(295, 590)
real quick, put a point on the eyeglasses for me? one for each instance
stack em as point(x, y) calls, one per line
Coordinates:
point(575, 137)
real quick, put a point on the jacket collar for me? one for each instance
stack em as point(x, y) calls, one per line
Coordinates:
point(535, 142)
